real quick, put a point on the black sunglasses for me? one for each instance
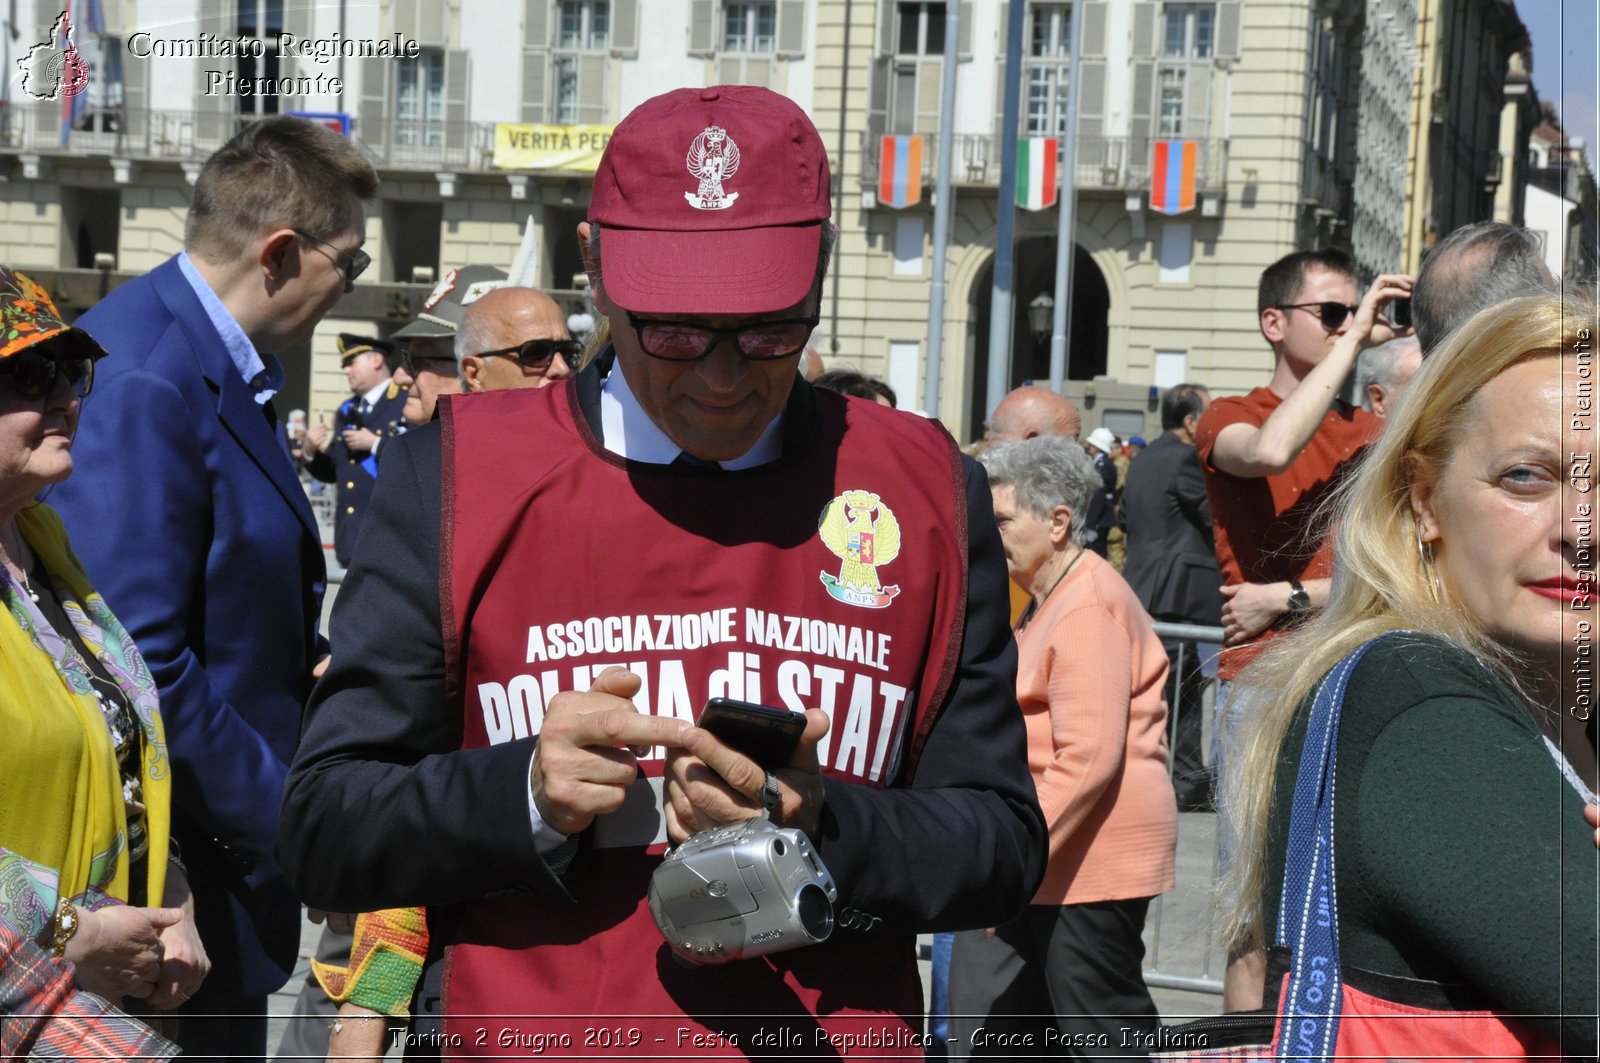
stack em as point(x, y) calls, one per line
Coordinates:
point(409, 361)
point(34, 373)
point(681, 341)
point(1332, 315)
point(538, 354)
point(351, 263)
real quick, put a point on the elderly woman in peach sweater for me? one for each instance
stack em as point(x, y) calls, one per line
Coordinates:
point(1090, 676)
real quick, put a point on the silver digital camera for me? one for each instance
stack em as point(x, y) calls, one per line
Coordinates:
point(743, 890)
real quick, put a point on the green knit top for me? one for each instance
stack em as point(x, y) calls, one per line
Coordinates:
point(1461, 852)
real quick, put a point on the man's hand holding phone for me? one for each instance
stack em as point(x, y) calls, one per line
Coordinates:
point(709, 782)
point(588, 749)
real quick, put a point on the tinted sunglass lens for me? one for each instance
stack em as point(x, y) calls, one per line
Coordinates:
point(1333, 314)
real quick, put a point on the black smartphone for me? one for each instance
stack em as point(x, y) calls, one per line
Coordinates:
point(764, 734)
point(1400, 313)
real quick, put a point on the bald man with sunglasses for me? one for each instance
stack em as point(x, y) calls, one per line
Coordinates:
point(1272, 455)
point(515, 338)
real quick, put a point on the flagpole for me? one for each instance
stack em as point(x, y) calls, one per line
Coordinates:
point(1006, 211)
point(942, 196)
point(1066, 243)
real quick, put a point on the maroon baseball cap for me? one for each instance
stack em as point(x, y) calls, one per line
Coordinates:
point(711, 201)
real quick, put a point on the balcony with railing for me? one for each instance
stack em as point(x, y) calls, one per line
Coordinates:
point(183, 136)
point(1115, 164)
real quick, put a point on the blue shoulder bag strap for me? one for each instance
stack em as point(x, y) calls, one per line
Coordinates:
point(1308, 920)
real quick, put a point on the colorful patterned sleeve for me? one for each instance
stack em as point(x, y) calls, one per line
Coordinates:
point(385, 962)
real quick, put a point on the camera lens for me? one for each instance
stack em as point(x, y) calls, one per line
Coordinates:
point(816, 911)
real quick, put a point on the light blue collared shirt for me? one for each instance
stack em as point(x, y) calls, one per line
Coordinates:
point(263, 375)
point(630, 433)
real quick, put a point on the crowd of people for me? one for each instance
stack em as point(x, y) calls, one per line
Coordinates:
point(557, 552)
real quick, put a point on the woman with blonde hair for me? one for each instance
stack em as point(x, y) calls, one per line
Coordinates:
point(1466, 874)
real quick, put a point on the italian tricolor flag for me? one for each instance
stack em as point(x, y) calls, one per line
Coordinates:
point(1036, 173)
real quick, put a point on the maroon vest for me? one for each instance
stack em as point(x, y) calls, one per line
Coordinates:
point(834, 578)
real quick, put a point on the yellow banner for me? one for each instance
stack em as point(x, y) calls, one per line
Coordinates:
point(524, 146)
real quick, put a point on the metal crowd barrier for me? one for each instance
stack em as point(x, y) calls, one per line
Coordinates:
point(1155, 974)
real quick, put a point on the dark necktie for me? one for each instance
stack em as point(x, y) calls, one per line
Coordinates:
point(685, 458)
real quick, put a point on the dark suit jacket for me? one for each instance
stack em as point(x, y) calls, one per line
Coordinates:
point(1171, 564)
point(190, 519)
point(379, 772)
point(355, 471)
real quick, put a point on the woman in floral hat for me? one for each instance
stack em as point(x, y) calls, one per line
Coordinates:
point(86, 866)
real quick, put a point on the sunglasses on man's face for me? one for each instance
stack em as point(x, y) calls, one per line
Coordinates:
point(535, 355)
point(1331, 314)
point(409, 360)
point(33, 374)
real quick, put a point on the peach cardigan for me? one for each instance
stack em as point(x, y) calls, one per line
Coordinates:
point(1091, 679)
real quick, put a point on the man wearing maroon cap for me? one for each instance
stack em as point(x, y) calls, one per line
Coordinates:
point(686, 518)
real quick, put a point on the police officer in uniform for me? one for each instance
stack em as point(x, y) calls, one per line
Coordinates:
point(349, 455)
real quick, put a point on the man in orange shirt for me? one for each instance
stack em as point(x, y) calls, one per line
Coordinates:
point(1271, 457)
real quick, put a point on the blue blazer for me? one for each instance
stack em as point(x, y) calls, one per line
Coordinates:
point(188, 514)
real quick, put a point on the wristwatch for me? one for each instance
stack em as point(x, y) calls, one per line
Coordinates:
point(1299, 600)
point(67, 923)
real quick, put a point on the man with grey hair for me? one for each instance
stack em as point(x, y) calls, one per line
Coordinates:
point(1033, 411)
point(514, 337)
point(1382, 372)
point(1475, 266)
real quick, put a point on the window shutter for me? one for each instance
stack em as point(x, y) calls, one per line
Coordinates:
point(433, 19)
point(214, 116)
point(1094, 28)
point(702, 27)
point(135, 102)
point(791, 28)
point(407, 20)
point(1000, 75)
point(886, 23)
point(1091, 111)
point(47, 118)
point(591, 89)
point(1228, 17)
point(730, 69)
point(877, 102)
point(535, 79)
point(1144, 30)
point(964, 32)
point(930, 73)
point(536, 25)
point(625, 28)
point(1144, 77)
point(457, 85)
point(1092, 87)
point(372, 124)
point(1197, 100)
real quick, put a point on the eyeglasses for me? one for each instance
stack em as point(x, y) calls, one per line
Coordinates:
point(409, 361)
point(538, 354)
point(34, 374)
point(1332, 315)
point(351, 263)
point(680, 341)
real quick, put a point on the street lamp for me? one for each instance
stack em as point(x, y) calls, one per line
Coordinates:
point(1041, 315)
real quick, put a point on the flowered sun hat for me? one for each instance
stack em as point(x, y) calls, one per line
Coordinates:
point(28, 316)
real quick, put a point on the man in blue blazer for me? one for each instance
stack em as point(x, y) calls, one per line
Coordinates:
point(189, 512)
